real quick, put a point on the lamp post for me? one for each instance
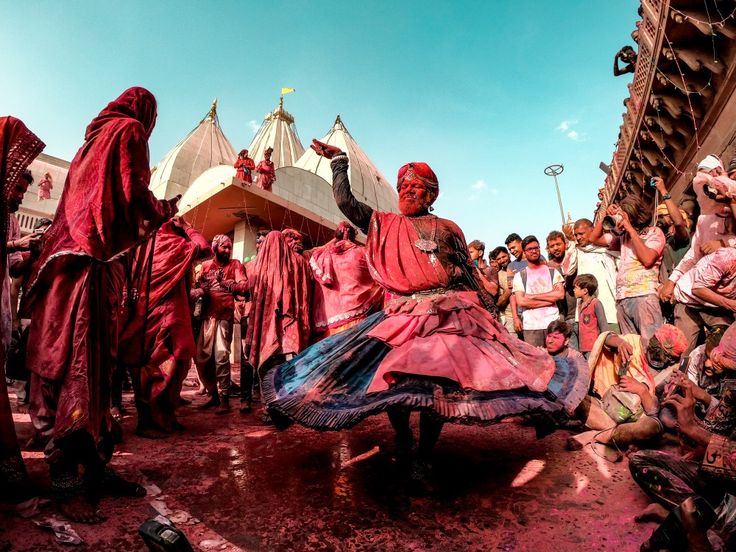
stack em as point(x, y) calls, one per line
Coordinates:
point(554, 171)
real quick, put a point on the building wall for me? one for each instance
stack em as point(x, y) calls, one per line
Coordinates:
point(32, 209)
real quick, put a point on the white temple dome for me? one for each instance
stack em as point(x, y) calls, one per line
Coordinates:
point(278, 132)
point(204, 147)
point(366, 181)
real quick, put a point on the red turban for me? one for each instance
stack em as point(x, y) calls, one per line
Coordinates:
point(672, 339)
point(419, 171)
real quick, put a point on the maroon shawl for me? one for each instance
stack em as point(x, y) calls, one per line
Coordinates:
point(157, 267)
point(19, 147)
point(106, 207)
point(279, 321)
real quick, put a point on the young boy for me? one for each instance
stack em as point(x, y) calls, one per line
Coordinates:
point(591, 316)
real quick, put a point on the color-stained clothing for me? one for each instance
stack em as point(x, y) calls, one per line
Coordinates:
point(599, 262)
point(716, 271)
point(18, 147)
point(220, 301)
point(245, 168)
point(633, 278)
point(432, 347)
point(592, 323)
point(604, 364)
point(539, 279)
point(157, 340)
point(714, 223)
point(266, 174)
point(345, 290)
point(75, 291)
point(280, 321)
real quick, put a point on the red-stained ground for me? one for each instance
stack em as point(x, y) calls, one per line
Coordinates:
point(232, 483)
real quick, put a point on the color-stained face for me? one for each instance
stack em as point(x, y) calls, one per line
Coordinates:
point(555, 342)
point(503, 260)
point(532, 252)
point(414, 198)
point(260, 236)
point(224, 251)
point(581, 233)
point(295, 241)
point(556, 249)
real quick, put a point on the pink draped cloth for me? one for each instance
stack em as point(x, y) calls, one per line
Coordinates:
point(345, 290)
point(436, 332)
point(279, 320)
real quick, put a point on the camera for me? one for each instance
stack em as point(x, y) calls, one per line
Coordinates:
point(652, 183)
point(610, 222)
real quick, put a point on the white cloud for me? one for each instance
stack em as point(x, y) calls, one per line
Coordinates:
point(566, 128)
point(254, 126)
point(479, 185)
point(565, 125)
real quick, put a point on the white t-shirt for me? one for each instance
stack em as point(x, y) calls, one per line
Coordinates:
point(538, 280)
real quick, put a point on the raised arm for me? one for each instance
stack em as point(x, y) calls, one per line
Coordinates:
point(356, 212)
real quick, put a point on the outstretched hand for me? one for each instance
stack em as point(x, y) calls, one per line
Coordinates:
point(325, 150)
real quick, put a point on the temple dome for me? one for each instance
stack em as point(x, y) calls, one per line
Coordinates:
point(204, 147)
point(221, 175)
point(366, 181)
point(278, 132)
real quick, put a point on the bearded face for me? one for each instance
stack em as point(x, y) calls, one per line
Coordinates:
point(414, 198)
point(223, 251)
point(295, 241)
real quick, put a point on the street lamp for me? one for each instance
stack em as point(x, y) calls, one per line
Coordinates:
point(553, 171)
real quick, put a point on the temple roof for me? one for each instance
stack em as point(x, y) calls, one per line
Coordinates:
point(366, 181)
point(278, 132)
point(204, 147)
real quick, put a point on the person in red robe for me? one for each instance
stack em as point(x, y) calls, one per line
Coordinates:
point(266, 171)
point(345, 292)
point(157, 340)
point(433, 347)
point(74, 297)
point(19, 146)
point(245, 166)
point(220, 280)
point(279, 322)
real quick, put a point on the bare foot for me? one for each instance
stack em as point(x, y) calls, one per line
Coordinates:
point(114, 485)
point(654, 512)
point(605, 437)
point(77, 508)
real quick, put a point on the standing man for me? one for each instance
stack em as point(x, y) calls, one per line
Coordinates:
point(503, 303)
point(641, 247)
point(488, 273)
point(266, 171)
point(19, 146)
point(245, 166)
point(599, 262)
point(220, 280)
point(74, 298)
point(562, 256)
point(537, 289)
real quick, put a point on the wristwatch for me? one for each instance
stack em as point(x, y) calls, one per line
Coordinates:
point(667, 196)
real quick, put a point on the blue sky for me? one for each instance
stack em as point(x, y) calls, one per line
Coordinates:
point(488, 93)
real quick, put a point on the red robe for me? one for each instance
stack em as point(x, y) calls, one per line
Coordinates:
point(434, 330)
point(157, 339)
point(279, 321)
point(19, 146)
point(245, 169)
point(345, 292)
point(74, 292)
point(266, 174)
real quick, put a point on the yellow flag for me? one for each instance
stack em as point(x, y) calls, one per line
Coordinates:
point(287, 90)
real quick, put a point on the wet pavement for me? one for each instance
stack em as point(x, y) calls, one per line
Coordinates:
point(231, 483)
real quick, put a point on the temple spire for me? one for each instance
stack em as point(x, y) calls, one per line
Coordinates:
point(212, 115)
